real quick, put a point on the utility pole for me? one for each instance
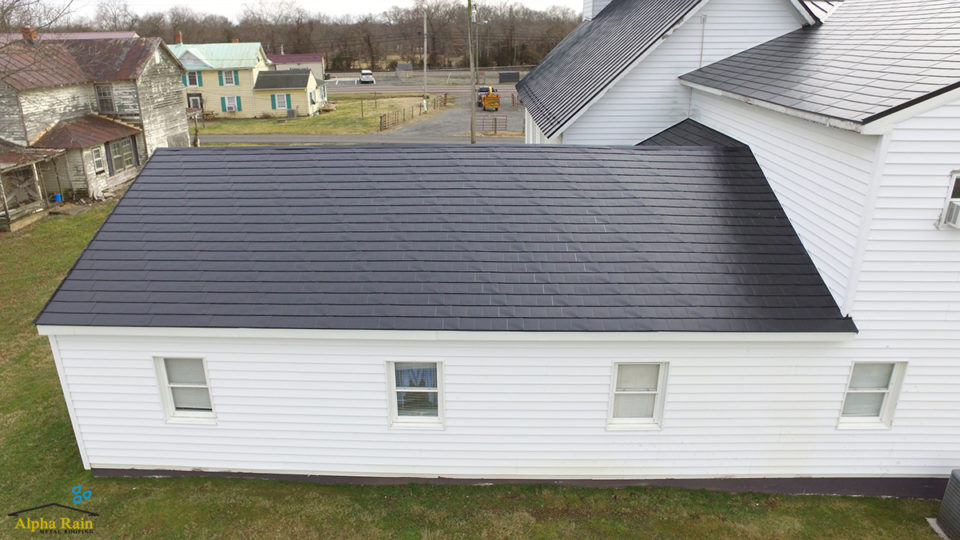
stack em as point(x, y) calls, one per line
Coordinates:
point(471, 19)
point(425, 56)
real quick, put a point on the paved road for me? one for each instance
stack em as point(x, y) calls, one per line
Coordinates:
point(387, 138)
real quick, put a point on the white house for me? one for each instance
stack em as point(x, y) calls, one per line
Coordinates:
point(854, 122)
point(555, 312)
point(626, 57)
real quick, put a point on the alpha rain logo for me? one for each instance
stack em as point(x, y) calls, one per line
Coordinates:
point(55, 518)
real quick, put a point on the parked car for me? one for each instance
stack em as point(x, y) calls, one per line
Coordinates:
point(366, 77)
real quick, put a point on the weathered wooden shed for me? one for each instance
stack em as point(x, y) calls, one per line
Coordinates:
point(23, 198)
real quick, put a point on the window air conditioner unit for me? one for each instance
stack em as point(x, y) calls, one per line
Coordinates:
point(952, 217)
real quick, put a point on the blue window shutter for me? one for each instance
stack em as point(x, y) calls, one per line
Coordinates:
point(236, 77)
point(223, 104)
point(220, 76)
point(288, 101)
point(199, 79)
point(184, 79)
point(273, 101)
point(238, 104)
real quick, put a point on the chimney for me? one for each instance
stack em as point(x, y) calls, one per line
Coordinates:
point(235, 40)
point(179, 37)
point(29, 33)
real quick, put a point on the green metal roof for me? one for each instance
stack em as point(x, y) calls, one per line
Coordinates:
point(218, 55)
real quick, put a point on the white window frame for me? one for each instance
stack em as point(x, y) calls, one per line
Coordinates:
point(99, 163)
point(892, 395)
point(414, 422)
point(231, 82)
point(196, 79)
point(280, 98)
point(171, 414)
point(954, 186)
point(231, 103)
point(654, 422)
point(199, 99)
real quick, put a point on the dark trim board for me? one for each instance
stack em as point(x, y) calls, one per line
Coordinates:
point(920, 488)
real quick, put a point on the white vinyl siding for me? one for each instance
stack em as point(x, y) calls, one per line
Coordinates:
point(821, 177)
point(518, 409)
point(650, 98)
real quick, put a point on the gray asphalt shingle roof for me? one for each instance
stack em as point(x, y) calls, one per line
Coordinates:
point(593, 55)
point(870, 58)
point(526, 238)
point(283, 79)
point(690, 133)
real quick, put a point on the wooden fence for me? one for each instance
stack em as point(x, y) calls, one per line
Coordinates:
point(395, 118)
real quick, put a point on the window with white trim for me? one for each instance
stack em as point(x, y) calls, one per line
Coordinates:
point(281, 101)
point(228, 79)
point(193, 79)
point(98, 163)
point(184, 389)
point(415, 393)
point(871, 395)
point(951, 212)
point(231, 103)
point(636, 399)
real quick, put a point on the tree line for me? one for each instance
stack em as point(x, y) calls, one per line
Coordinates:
point(506, 33)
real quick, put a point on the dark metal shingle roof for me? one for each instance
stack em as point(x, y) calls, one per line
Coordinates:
point(690, 133)
point(527, 238)
point(282, 79)
point(868, 59)
point(593, 55)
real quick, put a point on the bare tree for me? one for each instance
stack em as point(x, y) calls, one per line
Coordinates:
point(115, 15)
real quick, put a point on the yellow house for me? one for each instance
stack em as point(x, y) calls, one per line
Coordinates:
point(220, 76)
point(278, 92)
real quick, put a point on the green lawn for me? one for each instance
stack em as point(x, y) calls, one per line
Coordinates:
point(39, 463)
point(346, 120)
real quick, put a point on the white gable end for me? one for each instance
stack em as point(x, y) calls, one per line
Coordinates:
point(649, 97)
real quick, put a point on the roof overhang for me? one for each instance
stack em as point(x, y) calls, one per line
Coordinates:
point(875, 125)
point(443, 335)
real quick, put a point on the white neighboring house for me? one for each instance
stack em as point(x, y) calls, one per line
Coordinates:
point(613, 80)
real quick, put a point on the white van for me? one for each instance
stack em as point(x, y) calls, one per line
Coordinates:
point(366, 77)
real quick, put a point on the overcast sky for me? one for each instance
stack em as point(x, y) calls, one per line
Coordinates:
point(232, 8)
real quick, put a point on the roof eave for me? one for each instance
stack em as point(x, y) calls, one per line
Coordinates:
point(830, 121)
point(445, 335)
